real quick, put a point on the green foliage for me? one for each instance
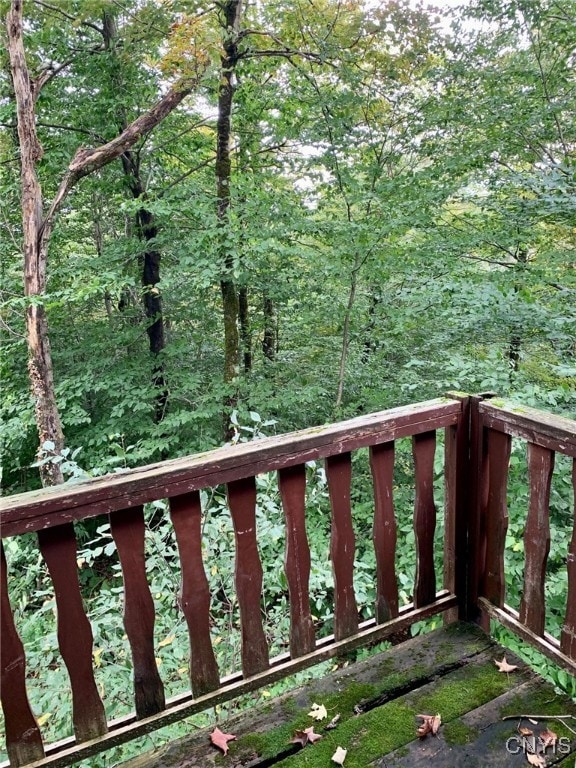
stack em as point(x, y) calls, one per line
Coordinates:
point(403, 194)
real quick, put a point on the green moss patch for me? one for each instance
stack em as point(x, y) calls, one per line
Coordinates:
point(457, 732)
point(373, 734)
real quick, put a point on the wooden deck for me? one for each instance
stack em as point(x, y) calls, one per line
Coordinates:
point(449, 671)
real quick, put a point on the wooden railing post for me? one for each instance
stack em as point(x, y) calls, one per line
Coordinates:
point(457, 481)
point(476, 552)
point(465, 492)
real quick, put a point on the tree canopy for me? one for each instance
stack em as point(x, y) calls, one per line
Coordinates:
point(231, 216)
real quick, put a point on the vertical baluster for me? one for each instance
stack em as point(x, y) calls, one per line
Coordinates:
point(248, 575)
point(384, 531)
point(128, 528)
point(23, 739)
point(292, 485)
point(537, 538)
point(342, 545)
point(568, 637)
point(423, 449)
point(454, 521)
point(496, 515)
point(186, 514)
point(58, 548)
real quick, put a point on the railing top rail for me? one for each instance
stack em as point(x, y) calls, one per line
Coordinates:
point(554, 432)
point(45, 508)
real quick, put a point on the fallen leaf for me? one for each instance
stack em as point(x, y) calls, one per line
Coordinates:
point(536, 760)
point(299, 738)
point(548, 738)
point(333, 723)
point(318, 712)
point(307, 736)
point(339, 756)
point(525, 731)
point(430, 724)
point(504, 666)
point(221, 740)
point(424, 730)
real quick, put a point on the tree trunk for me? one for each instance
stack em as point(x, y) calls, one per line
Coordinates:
point(35, 246)
point(369, 342)
point(269, 342)
point(232, 10)
point(147, 232)
point(358, 262)
point(515, 343)
point(245, 336)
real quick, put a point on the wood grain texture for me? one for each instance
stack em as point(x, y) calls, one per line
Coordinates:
point(248, 575)
point(423, 449)
point(58, 548)
point(496, 515)
point(342, 545)
point(568, 636)
point(186, 515)
point(384, 531)
point(292, 485)
point(545, 429)
point(537, 538)
point(128, 531)
point(42, 509)
point(458, 518)
point(478, 506)
point(23, 739)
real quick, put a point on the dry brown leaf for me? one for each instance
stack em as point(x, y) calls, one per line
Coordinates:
point(504, 666)
point(312, 737)
point(333, 723)
point(430, 724)
point(525, 731)
point(339, 756)
point(424, 730)
point(221, 740)
point(536, 760)
point(307, 736)
point(299, 738)
point(548, 738)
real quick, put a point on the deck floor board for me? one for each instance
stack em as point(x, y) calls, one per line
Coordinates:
point(449, 671)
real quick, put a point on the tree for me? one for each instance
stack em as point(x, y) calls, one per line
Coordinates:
point(38, 219)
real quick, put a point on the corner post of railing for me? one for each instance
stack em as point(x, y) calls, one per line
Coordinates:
point(464, 532)
point(456, 474)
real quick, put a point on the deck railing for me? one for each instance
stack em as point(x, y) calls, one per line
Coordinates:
point(496, 423)
point(477, 445)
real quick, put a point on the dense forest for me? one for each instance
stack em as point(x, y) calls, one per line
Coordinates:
point(225, 219)
point(229, 219)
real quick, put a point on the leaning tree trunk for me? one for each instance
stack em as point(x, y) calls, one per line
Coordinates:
point(35, 246)
point(232, 10)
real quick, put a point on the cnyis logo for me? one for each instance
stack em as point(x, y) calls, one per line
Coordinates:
point(537, 741)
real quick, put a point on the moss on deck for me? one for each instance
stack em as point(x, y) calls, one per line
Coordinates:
point(450, 671)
